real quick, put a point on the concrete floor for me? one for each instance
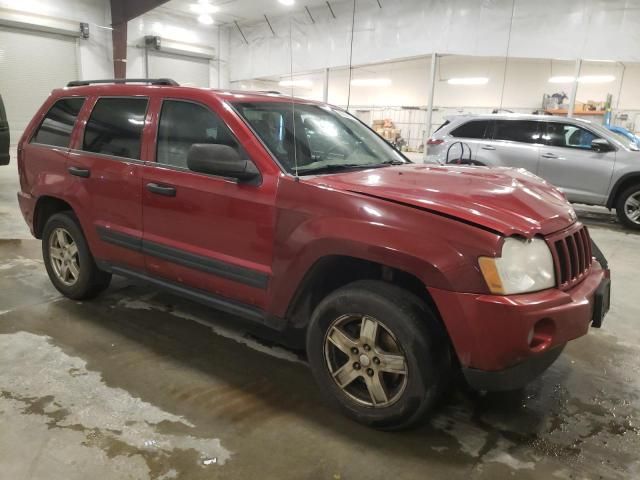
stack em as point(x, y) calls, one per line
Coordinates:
point(137, 385)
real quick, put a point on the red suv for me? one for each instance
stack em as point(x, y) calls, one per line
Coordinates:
point(295, 215)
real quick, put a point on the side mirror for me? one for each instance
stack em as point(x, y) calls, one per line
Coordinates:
point(221, 160)
point(601, 145)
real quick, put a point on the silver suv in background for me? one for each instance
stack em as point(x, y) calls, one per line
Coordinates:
point(589, 163)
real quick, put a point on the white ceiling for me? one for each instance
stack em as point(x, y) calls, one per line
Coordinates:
point(241, 10)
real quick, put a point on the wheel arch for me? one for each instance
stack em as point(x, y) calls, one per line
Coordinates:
point(332, 272)
point(46, 206)
point(620, 186)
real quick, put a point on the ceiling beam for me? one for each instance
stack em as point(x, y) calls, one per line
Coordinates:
point(125, 10)
point(121, 12)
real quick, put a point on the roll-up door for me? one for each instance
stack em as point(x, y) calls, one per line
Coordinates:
point(31, 65)
point(185, 70)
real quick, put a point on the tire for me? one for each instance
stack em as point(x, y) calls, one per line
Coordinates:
point(407, 327)
point(624, 209)
point(89, 280)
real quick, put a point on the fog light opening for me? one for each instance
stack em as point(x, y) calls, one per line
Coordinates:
point(541, 335)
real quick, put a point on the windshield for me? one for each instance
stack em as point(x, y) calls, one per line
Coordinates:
point(326, 139)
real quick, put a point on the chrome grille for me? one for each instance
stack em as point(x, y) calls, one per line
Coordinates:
point(571, 251)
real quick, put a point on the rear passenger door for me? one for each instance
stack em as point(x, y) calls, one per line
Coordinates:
point(514, 143)
point(568, 161)
point(105, 167)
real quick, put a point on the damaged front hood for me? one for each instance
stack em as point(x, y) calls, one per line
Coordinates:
point(504, 200)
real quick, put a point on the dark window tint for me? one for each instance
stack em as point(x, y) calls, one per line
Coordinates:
point(184, 123)
point(472, 129)
point(523, 131)
point(567, 135)
point(115, 127)
point(58, 124)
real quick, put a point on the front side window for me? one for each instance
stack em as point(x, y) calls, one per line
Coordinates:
point(56, 128)
point(314, 139)
point(523, 131)
point(115, 127)
point(568, 136)
point(183, 124)
point(472, 129)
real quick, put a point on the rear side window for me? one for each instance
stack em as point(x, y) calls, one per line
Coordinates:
point(56, 128)
point(446, 122)
point(523, 131)
point(472, 129)
point(115, 127)
point(184, 123)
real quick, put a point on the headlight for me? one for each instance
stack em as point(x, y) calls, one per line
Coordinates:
point(524, 266)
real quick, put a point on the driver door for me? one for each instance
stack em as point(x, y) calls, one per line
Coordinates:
point(210, 234)
point(568, 161)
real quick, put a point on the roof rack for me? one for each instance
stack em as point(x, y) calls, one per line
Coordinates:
point(150, 81)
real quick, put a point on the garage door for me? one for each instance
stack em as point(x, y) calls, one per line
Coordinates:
point(184, 70)
point(31, 65)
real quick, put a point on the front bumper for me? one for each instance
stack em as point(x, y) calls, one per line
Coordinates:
point(491, 333)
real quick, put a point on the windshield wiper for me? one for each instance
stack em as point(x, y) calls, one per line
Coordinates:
point(337, 168)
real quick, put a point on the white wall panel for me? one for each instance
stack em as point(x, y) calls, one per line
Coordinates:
point(566, 29)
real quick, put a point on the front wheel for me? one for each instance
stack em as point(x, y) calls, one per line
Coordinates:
point(628, 207)
point(379, 353)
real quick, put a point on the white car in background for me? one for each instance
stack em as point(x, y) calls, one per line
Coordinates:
point(589, 163)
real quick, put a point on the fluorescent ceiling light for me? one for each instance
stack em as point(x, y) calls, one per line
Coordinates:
point(296, 83)
point(596, 79)
point(468, 81)
point(562, 79)
point(371, 82)
point(287, 2)
point(583, 79)
point(203, 8)
point(205, 19)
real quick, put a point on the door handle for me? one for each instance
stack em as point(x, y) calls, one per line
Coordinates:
point(79, 172)
point(488, 147)
point(166, 190)
point(549, 155)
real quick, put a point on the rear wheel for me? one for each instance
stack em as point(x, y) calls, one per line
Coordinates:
point(379, 352)
point(68, 261)
point(628, 207)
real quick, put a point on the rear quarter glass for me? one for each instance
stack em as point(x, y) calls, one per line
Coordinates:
point(4, 135)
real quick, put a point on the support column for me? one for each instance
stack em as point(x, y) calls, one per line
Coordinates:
point(574, 88)
point(119, 36)
point(121, 12)
point(432, 89)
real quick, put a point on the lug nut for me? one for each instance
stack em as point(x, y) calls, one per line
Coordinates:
point(356, 366)
point(370, 372)
point(376, 360)
point(367, 348)
point(354, 350)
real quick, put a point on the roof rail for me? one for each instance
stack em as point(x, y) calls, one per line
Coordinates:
point(271, 92)
point(151, 81)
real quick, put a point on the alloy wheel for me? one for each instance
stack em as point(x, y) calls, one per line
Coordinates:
point(632, 208)
point(365, 360)
point(63, 255)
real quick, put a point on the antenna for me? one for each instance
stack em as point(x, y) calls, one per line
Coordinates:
point(353, 24)
point(293, 105)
